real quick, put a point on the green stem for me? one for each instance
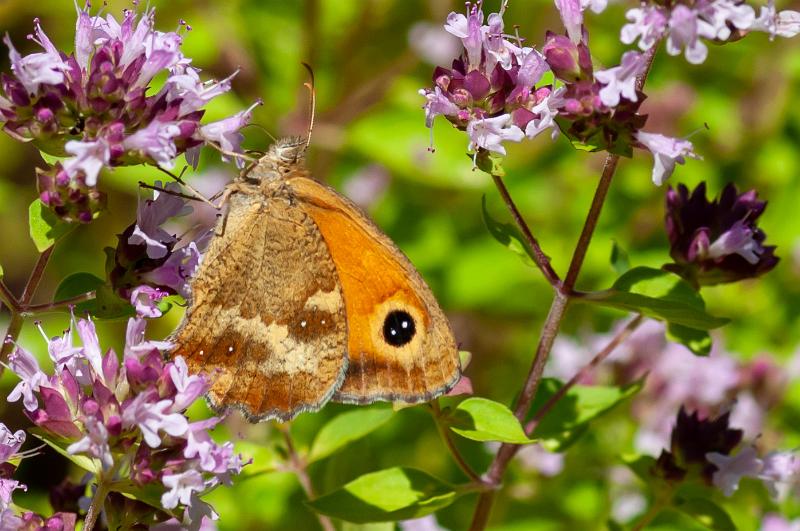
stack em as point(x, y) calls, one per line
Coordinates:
point(542, 261)
point(444, 432)
point(661, 502)
point(299, 468)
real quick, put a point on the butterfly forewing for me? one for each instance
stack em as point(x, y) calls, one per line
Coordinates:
point(400, 345)
point(267, 316)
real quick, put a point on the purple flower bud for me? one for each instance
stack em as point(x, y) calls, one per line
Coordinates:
point(718, 241)
point(569, 61)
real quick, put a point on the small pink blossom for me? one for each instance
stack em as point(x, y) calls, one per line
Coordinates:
point(181, 486)
point(620, 81)
point(667, 152)
point(27, 368)
point(785, 23)
point(731, 469)
point(89, 158)
point(490, 133)
point(781, 473)
point(685, 30)
point(152, 416)
point(647, 24)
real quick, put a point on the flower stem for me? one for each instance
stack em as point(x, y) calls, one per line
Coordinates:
point(542, 260)
point(15, 325)
point(623, 334)
point(96, 507)
point(448, 441)
point(299, 468)
point(8, 298)
point(553, 322)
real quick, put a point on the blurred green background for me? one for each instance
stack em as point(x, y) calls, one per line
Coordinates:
point(739, 108)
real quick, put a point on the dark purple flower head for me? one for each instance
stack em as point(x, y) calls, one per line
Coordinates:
point(96, 106)
point(146, 253)
point(718, 241)
point(692, 439)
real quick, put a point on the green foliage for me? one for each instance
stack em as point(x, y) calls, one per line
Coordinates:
point(571, 415)
point(106, 304)
point(481, 419)
point(346, 428)
point(657, 294)
point(45, 228)
point(387, 495)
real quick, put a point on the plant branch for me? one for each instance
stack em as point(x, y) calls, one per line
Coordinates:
point(448, 441)
point(56, 305)
point(299, 468)
point(553, 322)
point(541, 259)
point(8, 298)
point(15, 324)
point(621, 336)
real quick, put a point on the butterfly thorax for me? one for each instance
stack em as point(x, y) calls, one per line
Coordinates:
point(283, 159)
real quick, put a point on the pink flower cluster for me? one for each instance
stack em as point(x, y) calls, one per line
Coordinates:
point(10, 444)
point(491, 90)
point(96, 106)
point(128, 415)
point(686, 24)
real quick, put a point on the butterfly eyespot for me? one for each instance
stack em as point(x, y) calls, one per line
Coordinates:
point(398, 328)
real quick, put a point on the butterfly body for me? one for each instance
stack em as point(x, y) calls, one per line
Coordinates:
point(300, 299)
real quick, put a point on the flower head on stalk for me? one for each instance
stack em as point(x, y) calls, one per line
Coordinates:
point(718, 241)
point(130, 415)
point(96, 107)
point(490, 91)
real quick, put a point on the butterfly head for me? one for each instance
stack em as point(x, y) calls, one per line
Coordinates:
point(288, 150)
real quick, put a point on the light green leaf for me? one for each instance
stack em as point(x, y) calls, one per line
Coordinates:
point(706, 512)
point(508, 235)
point(570, 416)
point(698, 341)
point(385, 496)
point(619, 258)
point(375, 526)
point(657, 294)
point(641, 465)
point(45, 227)
point(82, 461)
point(346, 428)
point(481, 419)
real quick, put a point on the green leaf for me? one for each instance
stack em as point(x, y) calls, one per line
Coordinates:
point(149, 494)
point(374, 526)
point(641, 465)
point(106, 304)
point(45, 227)
point(657, 294)
point(508, 235)
point(346, 428)
point(387, 495)
point(489, 162)
point(481, 419)
point(82, 461)
point(619, 258)
point(698, 341)
point(570, 416)
point(706, 512)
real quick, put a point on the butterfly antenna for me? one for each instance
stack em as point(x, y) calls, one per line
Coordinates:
point(312, 102)
point(259, 126)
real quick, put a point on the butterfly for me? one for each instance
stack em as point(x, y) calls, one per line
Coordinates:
point(301, 299)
